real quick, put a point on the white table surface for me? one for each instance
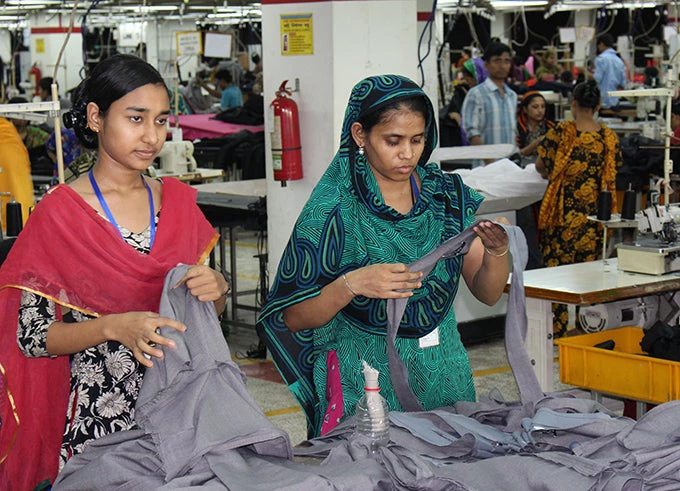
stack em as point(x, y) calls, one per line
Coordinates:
point(250, 187)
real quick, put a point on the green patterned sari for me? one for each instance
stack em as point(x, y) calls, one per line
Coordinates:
point(346, 225)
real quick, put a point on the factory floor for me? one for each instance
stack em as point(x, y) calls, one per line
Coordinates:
point(488, 359)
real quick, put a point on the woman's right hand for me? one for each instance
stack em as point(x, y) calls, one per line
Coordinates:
point(384, 281)
point(138, 331)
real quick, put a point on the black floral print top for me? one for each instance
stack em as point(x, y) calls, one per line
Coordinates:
point(105, 379)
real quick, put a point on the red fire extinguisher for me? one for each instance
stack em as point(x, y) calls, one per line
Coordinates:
point(34, 76)
point(286, 148)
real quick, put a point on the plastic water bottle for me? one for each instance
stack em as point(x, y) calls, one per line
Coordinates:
point(372, 413)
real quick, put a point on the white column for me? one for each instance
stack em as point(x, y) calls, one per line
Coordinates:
point(583, 49)
point(351, 40)
point(500, 27)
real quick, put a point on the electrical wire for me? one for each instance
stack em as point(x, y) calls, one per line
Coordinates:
point(452, 23)
point(428, 27)
point(656, 23)
point(523, 15)
point(83, 30)
point(473, 30)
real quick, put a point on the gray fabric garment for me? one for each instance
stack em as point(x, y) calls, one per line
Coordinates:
point(546, 442)
point(199, 427)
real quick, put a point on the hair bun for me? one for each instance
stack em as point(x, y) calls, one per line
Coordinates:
point(69, 119)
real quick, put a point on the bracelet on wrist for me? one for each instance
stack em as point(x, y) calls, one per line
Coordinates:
point(494, 254)
point(344, 277)
point(226, 292)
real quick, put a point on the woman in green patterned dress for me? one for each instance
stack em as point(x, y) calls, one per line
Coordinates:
point(379, 206)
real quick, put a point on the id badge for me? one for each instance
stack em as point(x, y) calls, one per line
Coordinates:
point(429, 340)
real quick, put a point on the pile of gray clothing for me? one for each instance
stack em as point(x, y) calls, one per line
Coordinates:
point(199, 428)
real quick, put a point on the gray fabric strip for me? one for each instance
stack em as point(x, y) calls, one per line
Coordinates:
point(515, 321)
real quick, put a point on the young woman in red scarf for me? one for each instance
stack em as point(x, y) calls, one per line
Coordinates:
point(80, 289)
point(532, 125)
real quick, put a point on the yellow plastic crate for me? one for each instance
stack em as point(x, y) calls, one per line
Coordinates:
point(625, 371)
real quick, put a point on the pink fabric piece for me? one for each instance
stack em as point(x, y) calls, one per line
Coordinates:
point(336, 406)
point(199, 126)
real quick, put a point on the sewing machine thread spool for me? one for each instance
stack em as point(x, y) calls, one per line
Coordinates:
point(604, 205)
point(14, 218)
point(629, 205)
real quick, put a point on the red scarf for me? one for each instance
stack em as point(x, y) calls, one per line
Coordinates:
point(71, 255)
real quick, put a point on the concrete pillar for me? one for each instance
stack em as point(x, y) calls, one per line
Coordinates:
point(350, 40)
point(500, 28)
point(583, 49)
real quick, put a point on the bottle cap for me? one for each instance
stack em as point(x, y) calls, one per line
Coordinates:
point(370, 376)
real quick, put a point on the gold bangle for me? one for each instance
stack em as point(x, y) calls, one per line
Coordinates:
point(497, 255)
point(344, 277)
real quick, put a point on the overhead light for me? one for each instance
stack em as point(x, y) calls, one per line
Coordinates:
point(26, 3)
point(150, 8)
point(513, 4)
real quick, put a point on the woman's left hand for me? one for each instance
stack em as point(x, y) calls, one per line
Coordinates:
point(204, 283)
point(493, 236)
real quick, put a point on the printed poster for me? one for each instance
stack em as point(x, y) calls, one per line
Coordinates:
point(296, 34)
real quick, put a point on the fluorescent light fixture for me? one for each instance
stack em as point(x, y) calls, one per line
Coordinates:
point(225, 15)
point(150, 8)
point(24, 7)
point(26, 3)
point(513, 4)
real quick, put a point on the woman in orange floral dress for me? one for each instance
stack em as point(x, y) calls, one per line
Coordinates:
point(579, 158)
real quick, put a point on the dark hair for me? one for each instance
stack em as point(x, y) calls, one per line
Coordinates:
point(526, 100)
point(675, 108)
point(496, 49)
point(606, 39)
point(224, 75)
point(566, 76)
point(587, 94)
point(46, 84)
point(17, 100)
point(111, 79)
point(380, 114)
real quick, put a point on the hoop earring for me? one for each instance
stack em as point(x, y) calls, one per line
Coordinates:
point(361, 150)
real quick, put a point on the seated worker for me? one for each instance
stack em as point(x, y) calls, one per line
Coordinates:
point(70, 149)
point(31, 135)
point(15, 171)
point(549, 70)
point(675, 122)
point(450, 128)
point(229, 93)
point(379, 206)
point(45, 93)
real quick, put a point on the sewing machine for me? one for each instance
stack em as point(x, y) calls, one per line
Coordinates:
point(177, 157)
point(657, 248)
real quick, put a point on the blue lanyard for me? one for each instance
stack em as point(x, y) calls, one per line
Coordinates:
point(414, 189)
point(109, 215)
